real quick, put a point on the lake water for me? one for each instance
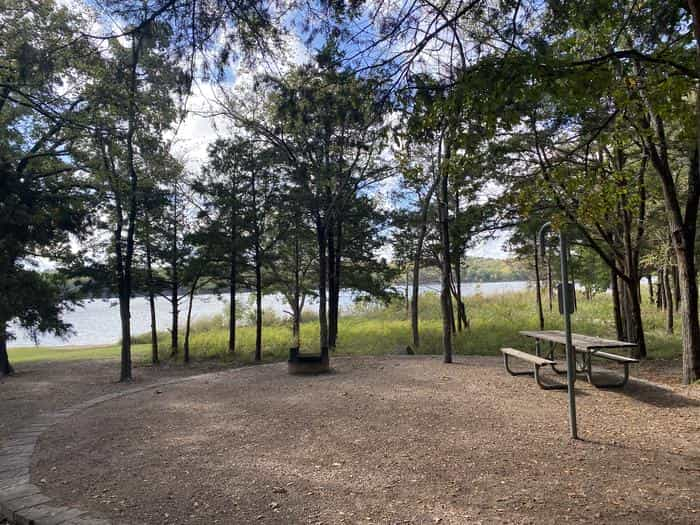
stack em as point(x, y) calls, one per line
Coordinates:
point(97, 321)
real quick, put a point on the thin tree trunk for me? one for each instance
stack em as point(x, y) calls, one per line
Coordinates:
point(258, 275)
point(651, 289)
point(676, 287)
point(690, 328)
point(330, 269)
point(550, 293)
point(636, 329)
point(296, 307)
point(175, 284)
point(5, 366)
point(616, 305)
point(685, 245)
point(125, 282)
point(461, 313)
point(453, 294)
point(258, 306)
point(445, 294)
point(406, 295)
point(233, 261)
point(334, 247)
point(186, 346)
point(417, 258)
point(125, 318)
point(337, 268)
point(538, 290)
point(232, 278)
point(322, 282)
point(682, 220)
point(151, 298)
point(669, 303)
point(462, 322)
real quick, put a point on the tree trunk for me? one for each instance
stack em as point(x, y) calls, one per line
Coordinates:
point(616, 305)
point(322, 282)
point(258, 274)
point(661, 294)
point(417, 258)
point(690, 327)
point(330, 269)
point(186, 346)
point(337, 270)
point(406, 295)
point(461, 311)
point(550, 293)
point(682, 220)
point(151, 299)
point(5, 366)
point(125, 318)
point(538, 289)
point(445, 293)
point(686, 258)
point(175, 285)
point(258, 305)
point(635, 326)
point(676, 287)
point(634, 322)
point(453, 294)
point(296, 307)
point(668, 302)
point(125, 281)
point(232, 277)
point(650, 283)
point(334, 247)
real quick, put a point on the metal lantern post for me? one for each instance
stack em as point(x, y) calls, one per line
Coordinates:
point(567, 301)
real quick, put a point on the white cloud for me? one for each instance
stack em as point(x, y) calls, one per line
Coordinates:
point(492, 248)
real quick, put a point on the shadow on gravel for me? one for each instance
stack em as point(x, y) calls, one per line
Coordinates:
point(655, 395)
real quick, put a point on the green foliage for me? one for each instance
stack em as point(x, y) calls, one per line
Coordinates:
point(483, 270)
point(495, 322)
point(41, 200)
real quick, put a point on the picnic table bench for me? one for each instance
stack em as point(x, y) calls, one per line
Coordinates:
point(586, 347)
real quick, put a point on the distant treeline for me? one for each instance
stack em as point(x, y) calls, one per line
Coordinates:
point(483, 270)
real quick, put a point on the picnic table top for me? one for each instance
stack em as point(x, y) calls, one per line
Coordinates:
point(579, 341)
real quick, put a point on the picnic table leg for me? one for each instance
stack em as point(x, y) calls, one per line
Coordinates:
point(511, 372)
point(550, 356)
point(554, 367)
point(585, 364)
point(616, 384)
point(547, 386)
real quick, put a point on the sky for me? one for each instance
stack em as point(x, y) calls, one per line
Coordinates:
point(197, 131)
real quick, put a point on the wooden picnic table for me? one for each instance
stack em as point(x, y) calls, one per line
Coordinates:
point(582, 343)
point(586, 347)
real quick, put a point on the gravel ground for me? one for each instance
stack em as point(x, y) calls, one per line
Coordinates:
point(38, 388)
point(380, 440)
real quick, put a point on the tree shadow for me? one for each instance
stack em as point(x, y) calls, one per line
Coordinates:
point(650, 393)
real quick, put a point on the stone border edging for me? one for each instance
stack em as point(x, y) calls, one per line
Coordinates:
point(22, 502)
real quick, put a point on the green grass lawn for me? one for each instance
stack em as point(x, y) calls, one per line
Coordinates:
point(71, 353)
point(495, 322)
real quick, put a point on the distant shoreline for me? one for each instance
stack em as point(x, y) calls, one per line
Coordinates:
point(96, 321)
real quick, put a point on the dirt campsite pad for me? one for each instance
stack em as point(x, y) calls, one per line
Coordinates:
point(380, 440)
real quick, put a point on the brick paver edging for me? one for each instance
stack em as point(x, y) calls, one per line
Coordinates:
point(22, 502)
